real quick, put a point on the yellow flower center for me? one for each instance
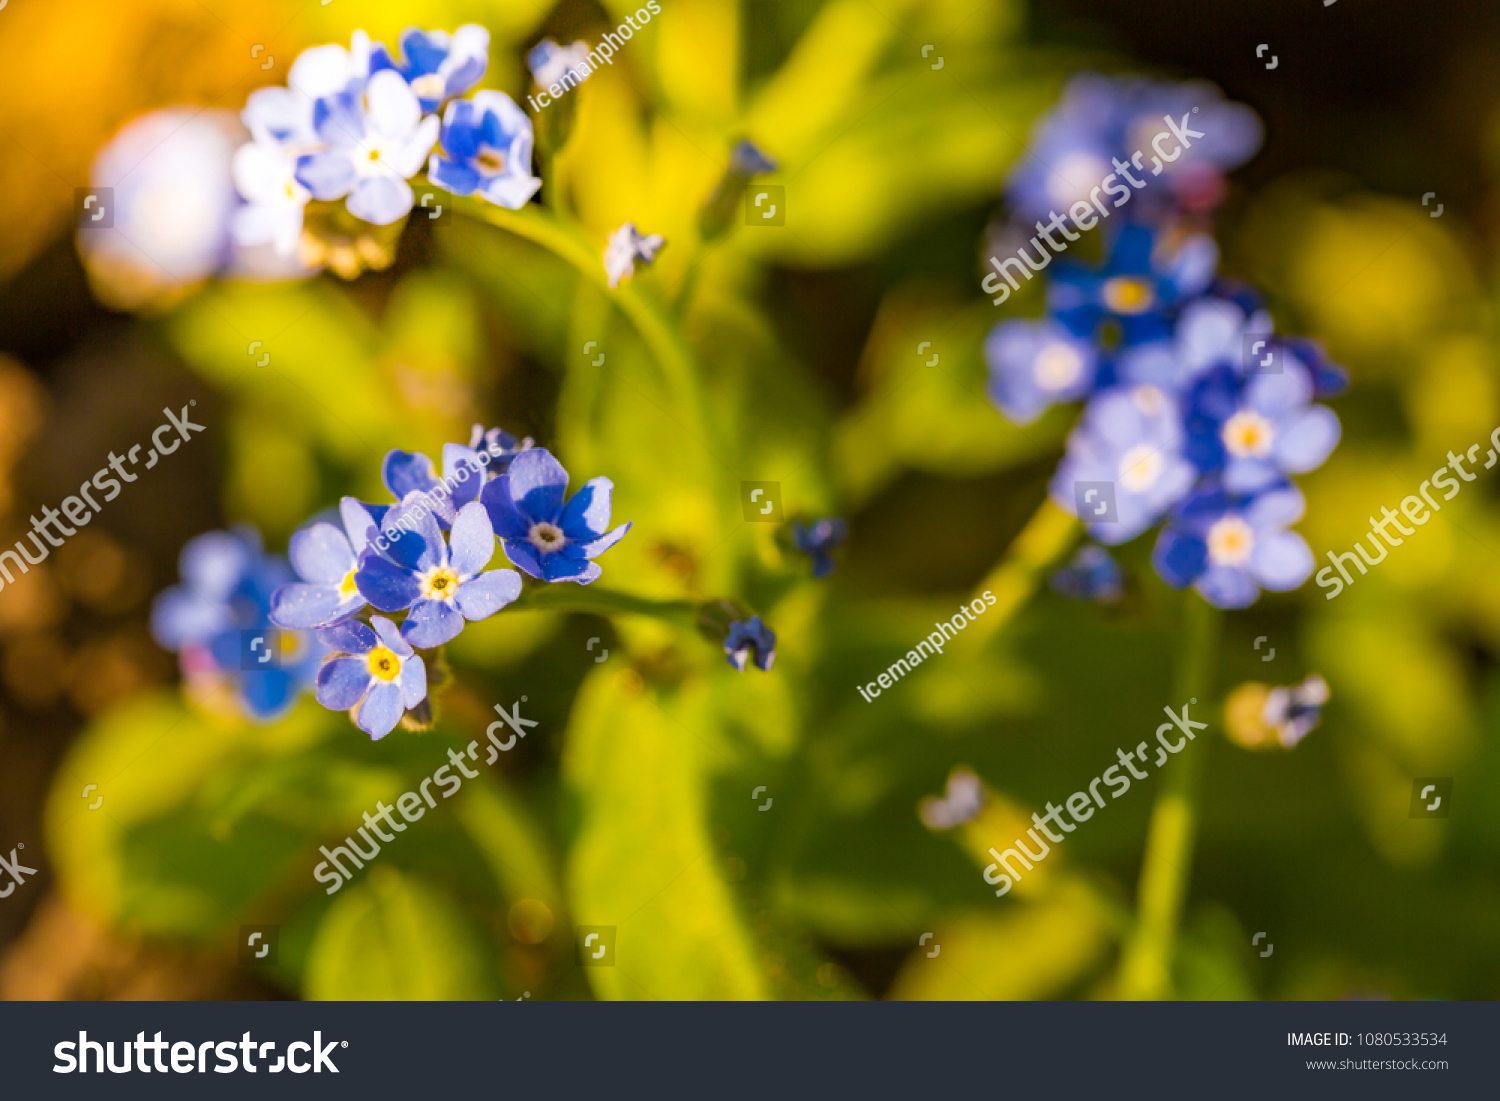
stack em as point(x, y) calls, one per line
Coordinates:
point(440, 584)
point(384, 664)
point(1140, 467)
point(1058, 366)
point(491, 161)
point(1230, 542)
point(347, 587)
point(1247, 435)
point(1128, 294)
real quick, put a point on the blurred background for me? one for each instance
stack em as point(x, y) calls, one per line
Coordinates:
point(631, 806)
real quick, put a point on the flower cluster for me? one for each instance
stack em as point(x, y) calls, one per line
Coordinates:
point(426, 555)
point(218, 622)
point(1196, 412)
point(357, 124)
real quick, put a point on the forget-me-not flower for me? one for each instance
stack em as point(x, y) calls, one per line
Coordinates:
point(1229, 547)
point(1254, 431)
point(818, 541)
point(1093, 574)
point(543, 535)
point(327, 560)
point(1142, 278)
point(1132, 437)
point(442, 583)
point(625, 247)
point(499, 444)
point(748, 641)
point(548, 62)
point(408, 472)
point(436, 64)
point(486, 151)
point(377, 672)
point(376, 139)
point(1034, 364)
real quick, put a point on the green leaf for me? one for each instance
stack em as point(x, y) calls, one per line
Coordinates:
point(643, 861)
point(395, 937)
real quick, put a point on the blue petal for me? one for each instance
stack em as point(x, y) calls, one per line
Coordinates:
point(1179, 557)
point(557, 568)
point(507, 520)
point(1228, 587)
point(180, 618)
point(598, 546)
point(461, 137)
point(1282, 562)
point(471, 544)
point(267, 693)
point(342, 682)
point(381, 200)
point(390, 634)
point(381, 711)
point(213, 564)
point(303, 607)
point(432, 623)
point(488, 593)
point(586, 515)
point(411, 527)
point(404, 471)
point(321, 554)
point(537, 483)
point(463, 472)
point(454, 176)
point(390, 588)
point(359, 522)
point(524, 556)
point(352, 637)
point(413, 681)
point(1303, 444)
point(326, 175)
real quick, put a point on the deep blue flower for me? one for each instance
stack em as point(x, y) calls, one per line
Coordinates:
point(409, 566)
point(1101, 123)
point(377, 672)
point(1141, 280)
point(1229, 547)
point(437, 65)
point(749, 640)
point(486, 145)
point(500, 445)
point(1093, 574)
point(375, 139)
point(818, 540)
point(746, 160)
point(1034, 364)
point(1253, 431)
point(410, 472)
point(225, 600)
point(543, 535)
point(1132, 438)
point(327, 560)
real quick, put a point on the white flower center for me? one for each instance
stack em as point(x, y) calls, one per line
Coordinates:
point(375, 155)
point(546, 537)
point(1140, 467)
point(1149, 400)
point(430, 86)
point(1247, 435)
point(1057, 367)
point(1230, 542)
point(440, 583)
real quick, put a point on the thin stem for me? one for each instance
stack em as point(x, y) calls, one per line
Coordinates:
point(596, 601)
point(1047, 536)
point(1146, 968)
point(567, 243)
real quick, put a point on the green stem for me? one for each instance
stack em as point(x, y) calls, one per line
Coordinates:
point(596, 601)
point(567, 242)
point(1047, 536)
point(1146, 967)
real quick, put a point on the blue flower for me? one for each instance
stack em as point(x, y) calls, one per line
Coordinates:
point(486, 151)
point(500, 445)
point(817, 541)
point(327, 560)
point(1033, 364)
point(1093, 574)
point(410, 567)
point(549, 62)
point(746, 160)
point(1134, 287)
point(749, 637)
point(1102, 123)
point(224, 600)
point(1254, 431)
point(277, 115)
point(1293, 712)
point(377, 672)
point(543, 535)
point(626, 246)
point(1229, 547)
point(1132, 438)
point(376, 139)
point(410, 472)
point(437, 65)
